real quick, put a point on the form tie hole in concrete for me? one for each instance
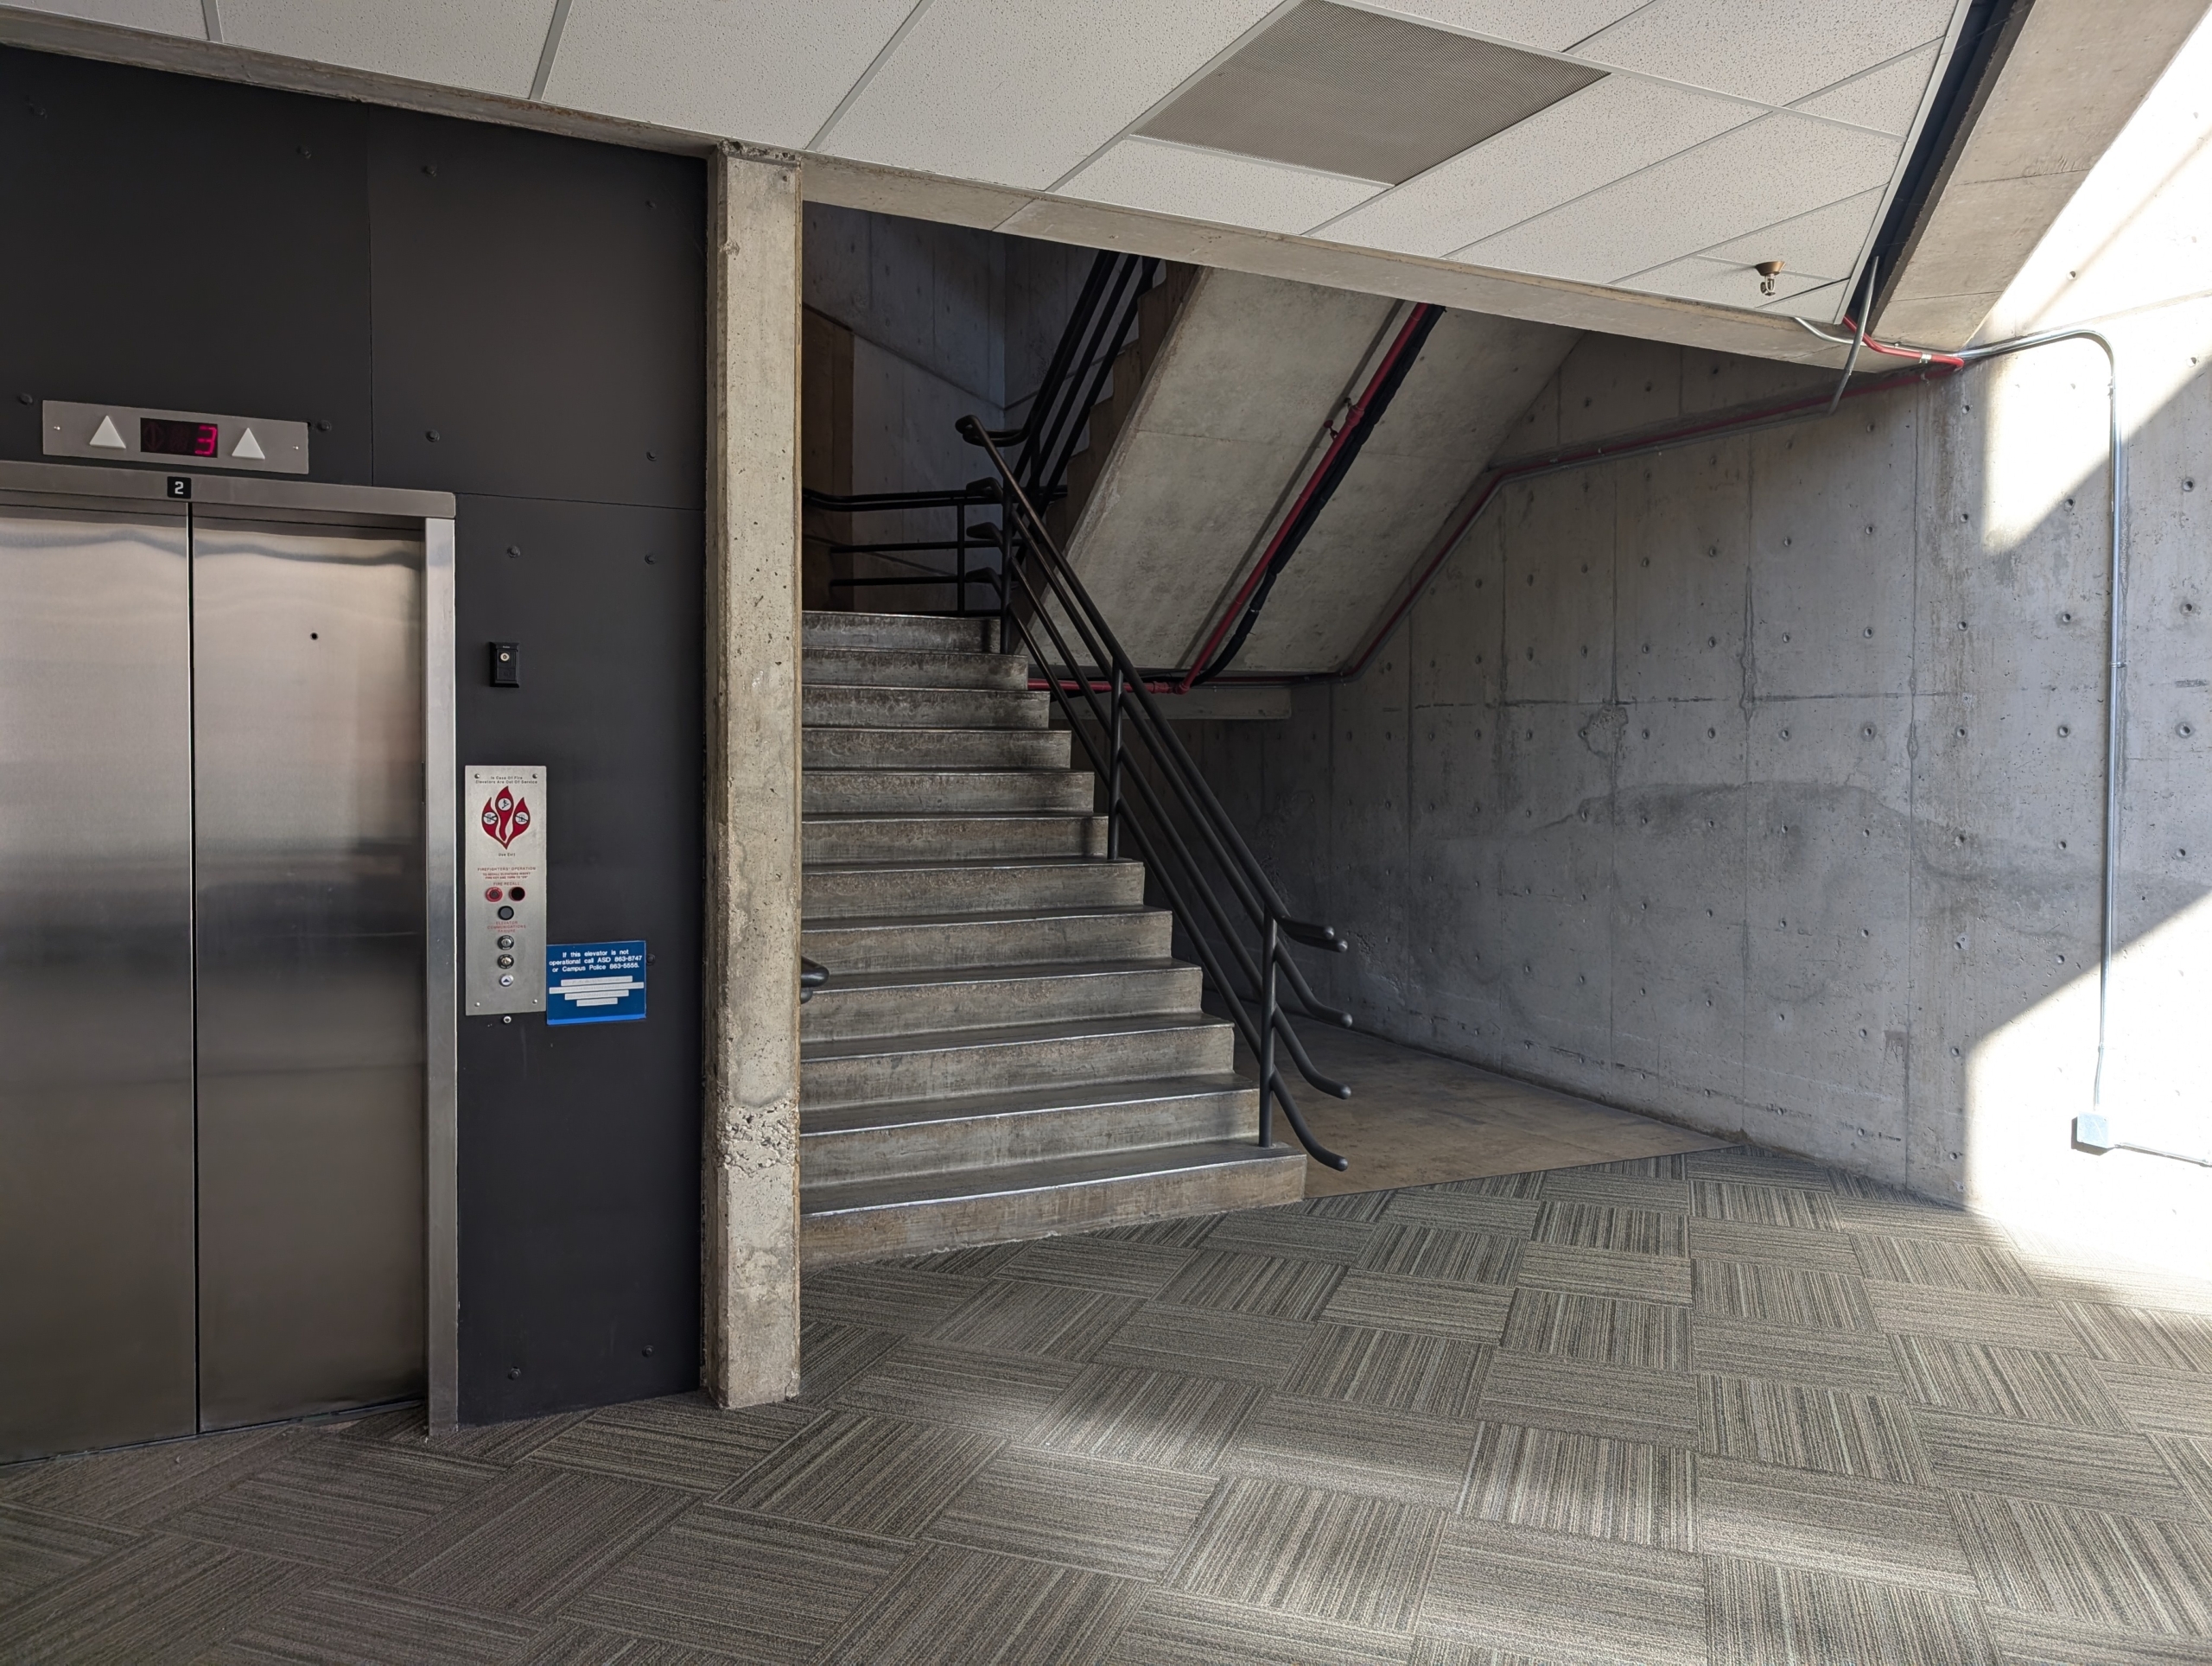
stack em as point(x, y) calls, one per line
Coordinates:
point(2064, 730)
point(1785, 636)
point(1785, 543)
point(1961, 839)
point(1785, 734)
point(1647, 735)
point(1869, 731)
point(2188, 607)
point(1961, 942)
point(2062, 960)
point(2188, 486)
point(2061, 844)
point(1711, 549)
point(1962, 623)
point(1869, 631)
point(2066, 618)
point(1870, 532)
point(1954, 1053)
point(1712, 642)
point(2186, 731)
point(1647, 648)
point(2070, 503)
point(1712, 734)
point(1962, 734)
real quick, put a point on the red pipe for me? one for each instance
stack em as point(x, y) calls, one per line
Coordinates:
point(1352, 419)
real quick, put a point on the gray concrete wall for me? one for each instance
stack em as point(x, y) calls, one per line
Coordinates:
point(1759, 785)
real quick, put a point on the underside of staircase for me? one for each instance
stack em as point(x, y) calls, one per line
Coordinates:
point(1005, 1047)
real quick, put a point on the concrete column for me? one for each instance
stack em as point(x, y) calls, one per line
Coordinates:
point(749, 1239)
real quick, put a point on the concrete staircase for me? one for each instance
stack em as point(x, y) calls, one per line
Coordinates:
point(1006, 1048)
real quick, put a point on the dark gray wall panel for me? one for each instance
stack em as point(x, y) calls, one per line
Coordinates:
point(541, 307)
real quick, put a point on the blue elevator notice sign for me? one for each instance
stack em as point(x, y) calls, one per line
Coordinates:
point(595, 982)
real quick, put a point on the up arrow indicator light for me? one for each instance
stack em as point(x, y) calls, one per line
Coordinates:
point(104, 435)
point(246, 447)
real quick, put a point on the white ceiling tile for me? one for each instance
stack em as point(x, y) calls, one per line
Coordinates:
point(768, 71)
point(1823, 244)
point(1194, 184)
point(1888, 98)
point(1016, 93)
point(1775, 168)
point(155, 17)
point(1548, 25)
point(490, 45)
point(1772, 50)
point(1599, 134)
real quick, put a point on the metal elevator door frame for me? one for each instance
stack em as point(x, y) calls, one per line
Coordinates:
point(136, 521)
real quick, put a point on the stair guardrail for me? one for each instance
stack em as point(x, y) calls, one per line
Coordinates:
point(1043, 444)
point(1157, 799)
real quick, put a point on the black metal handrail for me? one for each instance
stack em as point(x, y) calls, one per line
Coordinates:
point(1155, 795)
point(1043, 443)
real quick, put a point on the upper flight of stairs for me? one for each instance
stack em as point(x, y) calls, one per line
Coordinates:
point(1005, 1047)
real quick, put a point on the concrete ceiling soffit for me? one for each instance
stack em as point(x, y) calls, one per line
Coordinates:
point(2071, 73)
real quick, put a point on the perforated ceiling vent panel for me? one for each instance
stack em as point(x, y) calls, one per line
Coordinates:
point(1353, 93)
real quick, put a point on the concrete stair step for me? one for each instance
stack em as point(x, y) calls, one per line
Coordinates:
point(843, 630)
point(825, 748)
point(908, 838)
point(840, 890)
point(1001, 937)
point(877, 792)
point(857, 1071)
point(920, 1001)
point(874, 1219)
point(912, 668)
point(884, 1140)
point(852, 705)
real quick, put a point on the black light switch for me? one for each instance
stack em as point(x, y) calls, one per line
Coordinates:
point(506, 665)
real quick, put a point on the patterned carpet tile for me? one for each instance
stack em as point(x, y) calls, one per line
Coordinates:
point(1605, 1273)
point(684, 1441)
point(1608, 1226)
point(1763, 1614)
point(1124, 1519)
point(868, 1474)
point(830, 1355)
point(1833, 1523)
point(2144, 1336)
point(1788, 1298)
point(1398, 1370)
point(2176, 1402)
point(1186, 1232)
point(1142, 1271)
point(1171, 1630)
point(346, 1624)
point(1266, 1287)
point(1471, 1313)
point(1800, 1426)
point(1292, 1230)
point(2097, 1468)
point(570, 1643)
point(157, 1600)
point(1972, 1316)
point(1353, 1448)
point(1567, 1600)
point(953, 1603)
point(139, 1486)
point(1945, 1264)
point(774, 1592)
point(1633, 1335)
point(1158, 1418)
point(36, 1550)
point(2135, 1574)
point(1237, 1346)
point(333, 1504)
point(1468, 1210)
point(1332, 1556)
point(909, 1301)
point(1580, 1484)
point(1669, 1194)
point(2190, 1456)
point(1793, 1246)
point(976, 1260)
point(1840, 1359)
point(983, 1393)
point(1755, 1205)
point(527, 1542)
point(1011, 1316)
point(1750, 1164)
point(1660, 1408)
point(1346, 1205)
point(1442, 1255)
point(2043, 1640)
point(2025, 1384)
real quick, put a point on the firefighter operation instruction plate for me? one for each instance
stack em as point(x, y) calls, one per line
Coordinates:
point(595, 982)
point(503, 886)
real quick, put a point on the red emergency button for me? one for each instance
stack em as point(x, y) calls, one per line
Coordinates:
point(491, 894)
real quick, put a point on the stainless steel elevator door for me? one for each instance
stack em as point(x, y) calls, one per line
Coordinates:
point(96, 1153)
point(307, 751)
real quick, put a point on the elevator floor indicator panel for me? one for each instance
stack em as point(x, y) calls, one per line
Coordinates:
point(595, 982)
point(503, 880)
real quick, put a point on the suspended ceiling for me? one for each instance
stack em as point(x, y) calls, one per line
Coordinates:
point(1662, 148)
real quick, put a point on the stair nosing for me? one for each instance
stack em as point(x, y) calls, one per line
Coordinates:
point(1007, 1180)
point(1113, 1093)
point(981, 1037)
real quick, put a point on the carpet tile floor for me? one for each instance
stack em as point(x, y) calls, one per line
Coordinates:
point(1711, 1408)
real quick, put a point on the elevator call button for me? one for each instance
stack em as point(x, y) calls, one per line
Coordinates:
point(503, 877)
